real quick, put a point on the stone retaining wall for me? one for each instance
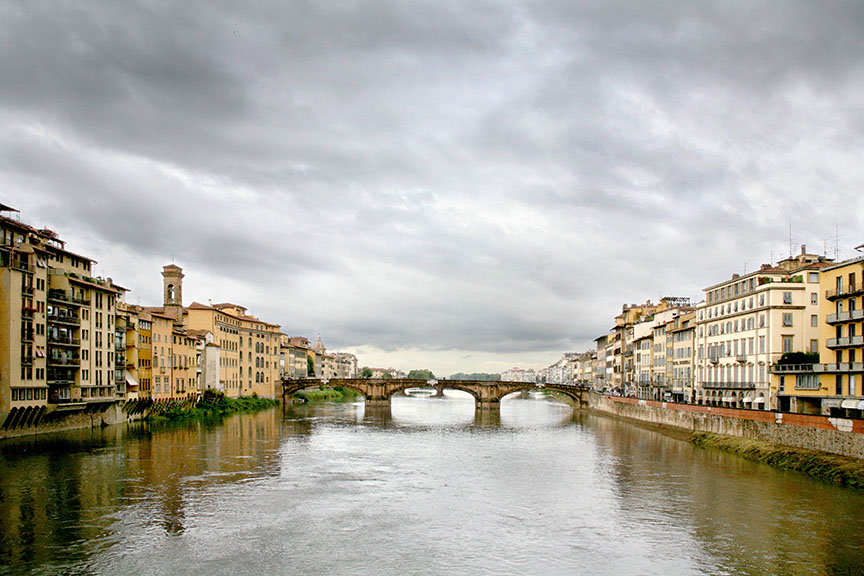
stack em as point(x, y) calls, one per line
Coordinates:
point(61, 420)
point(835, 435)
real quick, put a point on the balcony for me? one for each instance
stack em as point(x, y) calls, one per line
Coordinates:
point(850, 316)
point(847, 342)
point(22, 266)
point(26, 334)
point(845, 291)
point(28, 290)
point(792, 368)
point(27, 312)
point(69, 319)
point(27, 360)
point(64, 362)
point(741, 358)
point(839, 367)
point(70, 342)
point(55, 295)
point(730, 385)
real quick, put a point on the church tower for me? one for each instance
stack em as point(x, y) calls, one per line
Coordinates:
point(172, 291)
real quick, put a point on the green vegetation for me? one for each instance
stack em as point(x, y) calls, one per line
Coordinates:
point(476, 376)
point(799, 358)
point(366, 373)
point(421, 375)
point(822, 465)
point(310, 366)
point(213, 404)
point(327, 394)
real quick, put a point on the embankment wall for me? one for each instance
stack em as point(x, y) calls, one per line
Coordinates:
point(834, 435)
point(60, 420)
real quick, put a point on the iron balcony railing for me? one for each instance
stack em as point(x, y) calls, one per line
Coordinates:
point(73, 362)
point(55, 318)
point(735, 385)
point(55, 341)
point(61, 296)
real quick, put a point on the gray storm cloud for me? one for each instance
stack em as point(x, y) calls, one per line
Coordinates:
point(473, 179)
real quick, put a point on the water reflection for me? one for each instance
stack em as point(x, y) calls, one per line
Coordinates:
point(427, 485)
point(59, 494)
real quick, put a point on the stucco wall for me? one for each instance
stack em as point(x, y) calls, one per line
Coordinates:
point(835, 435)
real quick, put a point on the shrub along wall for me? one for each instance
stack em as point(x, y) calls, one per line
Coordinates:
point(835, 435)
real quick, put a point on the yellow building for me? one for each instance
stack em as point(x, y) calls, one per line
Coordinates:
point(57, 327)
point(249, 348)
point(833, 385)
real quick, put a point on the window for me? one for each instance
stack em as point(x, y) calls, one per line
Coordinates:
point(787, 297)
point(787, 343)
point(814, 320)
point(814, 298)
point(813, 277)
point(814, 346)
point(787, 319)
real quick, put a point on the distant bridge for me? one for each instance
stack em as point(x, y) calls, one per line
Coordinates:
point(487, 394)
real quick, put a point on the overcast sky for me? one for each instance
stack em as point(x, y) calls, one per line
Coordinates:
point(453, 185)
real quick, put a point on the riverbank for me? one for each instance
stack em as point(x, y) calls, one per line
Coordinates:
point(821, 465)
point(829, 449)
point(211, 405)
point(326, 394)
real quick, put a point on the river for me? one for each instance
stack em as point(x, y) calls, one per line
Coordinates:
point(426, 487)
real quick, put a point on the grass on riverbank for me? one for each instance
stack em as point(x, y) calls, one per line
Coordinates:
point(212, 405)
point(822, 465)
point(323, 394)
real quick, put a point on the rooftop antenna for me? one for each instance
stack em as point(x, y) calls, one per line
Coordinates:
point(790, 234)
point(836, 236)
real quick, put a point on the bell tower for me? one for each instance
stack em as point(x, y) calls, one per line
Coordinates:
point(172, 291)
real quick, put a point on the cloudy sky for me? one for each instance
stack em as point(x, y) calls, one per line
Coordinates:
point(454, 185)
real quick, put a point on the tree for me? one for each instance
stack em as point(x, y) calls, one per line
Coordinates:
point(310, 367)
point(366, 372)
point(421, 375)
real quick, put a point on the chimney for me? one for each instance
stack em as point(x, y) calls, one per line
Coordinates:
point(803, 249)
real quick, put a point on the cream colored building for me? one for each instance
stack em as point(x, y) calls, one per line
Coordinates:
point(745, 325)
point(680, 347)
point(295, 356)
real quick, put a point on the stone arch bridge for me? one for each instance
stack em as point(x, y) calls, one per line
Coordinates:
point(487, 394)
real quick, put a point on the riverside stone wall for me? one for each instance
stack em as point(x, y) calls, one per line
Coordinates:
point(60, 420)
point(835, 435)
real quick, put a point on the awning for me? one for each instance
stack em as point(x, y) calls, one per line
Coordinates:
point(853, 404)
point(861, 405)
point(130, 381)
point(759, 400)
point(728, 399)
point(747, 400)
